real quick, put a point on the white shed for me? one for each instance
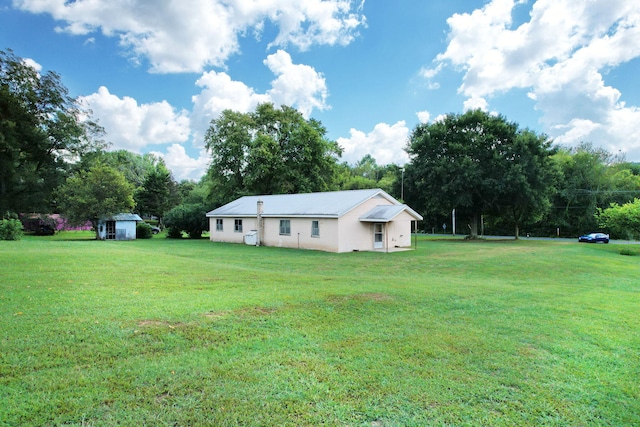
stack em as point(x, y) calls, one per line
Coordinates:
point(335, 221)
point(118, 227)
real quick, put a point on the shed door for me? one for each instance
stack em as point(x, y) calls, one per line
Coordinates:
point(378, 236)
point(110, 230)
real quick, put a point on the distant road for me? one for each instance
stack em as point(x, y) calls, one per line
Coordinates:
point(556, 239)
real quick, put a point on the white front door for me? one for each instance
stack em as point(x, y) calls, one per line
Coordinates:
point(378, 236)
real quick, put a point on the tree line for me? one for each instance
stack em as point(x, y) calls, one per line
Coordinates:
point(499, 178)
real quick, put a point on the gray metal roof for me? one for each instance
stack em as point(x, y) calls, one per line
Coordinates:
point(331, 204)
point(125, 217)
point(386, 213)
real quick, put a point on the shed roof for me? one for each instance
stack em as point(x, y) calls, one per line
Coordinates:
point(124, 217)
point(330, 204)
point(386, 213)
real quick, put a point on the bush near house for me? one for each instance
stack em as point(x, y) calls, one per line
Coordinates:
point(143, 231)
point(39, 224)
point(190, 218)
point(10, 229)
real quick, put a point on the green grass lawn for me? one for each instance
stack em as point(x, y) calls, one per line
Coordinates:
point(177, 332)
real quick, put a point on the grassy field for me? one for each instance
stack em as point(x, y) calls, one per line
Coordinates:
point(165, 332)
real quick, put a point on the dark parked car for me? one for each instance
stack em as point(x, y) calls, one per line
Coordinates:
point(154, 229)
point(594, 238)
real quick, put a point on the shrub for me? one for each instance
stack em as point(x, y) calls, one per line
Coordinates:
point(629, 252)
point(46, 226)
point(174, 233)
point(190, 218)
point(10, 229)
point(143, 231)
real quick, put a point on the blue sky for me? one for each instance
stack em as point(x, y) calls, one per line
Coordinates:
point(155, 73)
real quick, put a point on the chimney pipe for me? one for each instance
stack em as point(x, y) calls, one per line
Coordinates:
point(260, 223)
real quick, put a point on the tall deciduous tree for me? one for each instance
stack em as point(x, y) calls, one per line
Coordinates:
point(583, 188)
point(155, 195)
point(527, 180)
point(94, 194)
point(269, 151)
point(40, 129)
point(477, 163)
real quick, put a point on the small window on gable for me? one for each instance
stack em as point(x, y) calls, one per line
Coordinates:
point(219, 224)
point(315, 228)
point(285, 227)
point(237, 226)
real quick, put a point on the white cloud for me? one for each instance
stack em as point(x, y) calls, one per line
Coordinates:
point(423, 116)
point(440, 118)
point(475, 103)
point(430, 73)
point(575, 130)
point(182, 165)
point(162, 31)
point(220, 92)
point(132, 126)
point(560, 56)
point(33, 64)
point(296, 85)
point(386, 143)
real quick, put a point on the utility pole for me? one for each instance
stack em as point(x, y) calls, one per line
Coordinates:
point(402, 187)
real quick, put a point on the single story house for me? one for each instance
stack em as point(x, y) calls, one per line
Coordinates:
point(118, 227)
point(335, 221)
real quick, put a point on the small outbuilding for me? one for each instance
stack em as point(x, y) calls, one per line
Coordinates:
point(118, 227)
point(335, 221)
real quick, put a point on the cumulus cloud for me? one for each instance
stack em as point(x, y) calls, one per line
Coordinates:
point(133, 126)
point(385, 143)
point(182, 165)
point(560, 56)
point(296, 85)
point(33, 64)
point(189, 36)
point(423, 116)
point(220, 92)
point(475, 103)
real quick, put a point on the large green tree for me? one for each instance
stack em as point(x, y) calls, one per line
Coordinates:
point(269, 151)
point(583, 187)
point(477, 163)
point(135, 167)
point(527, 180)
point(95, 194)
point(40, 131)
point(155, 195)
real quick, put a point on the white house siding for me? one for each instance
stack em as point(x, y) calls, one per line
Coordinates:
point(300, 236)
point(228, 234)
point(399, 230)
point(355, 235)
point(346, 220)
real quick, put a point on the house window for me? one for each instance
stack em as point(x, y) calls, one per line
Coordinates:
point(315, 228)
point(285, 227)
point(237, 226)
point(218, 224)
